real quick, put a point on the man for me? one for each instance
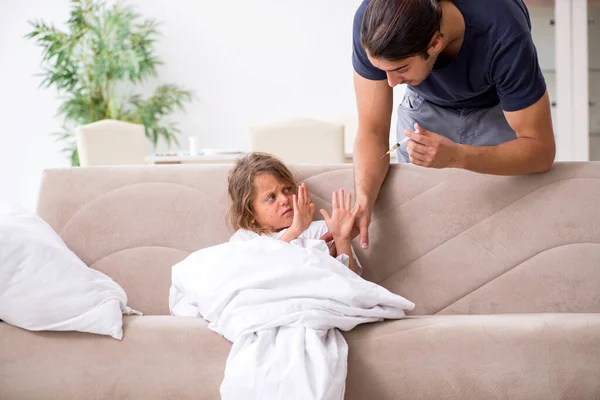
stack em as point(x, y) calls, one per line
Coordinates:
point(476, 98)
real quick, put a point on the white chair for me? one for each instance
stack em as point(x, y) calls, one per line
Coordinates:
point(351, 129)
point(110, 142)
point(300, 141)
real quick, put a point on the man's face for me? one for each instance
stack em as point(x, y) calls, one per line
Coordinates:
point(411, 71)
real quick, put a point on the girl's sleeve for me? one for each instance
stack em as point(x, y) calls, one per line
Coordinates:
point(344, 259)
point(315, 230)
point(359, 268)
point(318, 229)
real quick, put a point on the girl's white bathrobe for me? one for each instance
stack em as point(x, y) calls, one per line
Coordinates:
point(283, 306)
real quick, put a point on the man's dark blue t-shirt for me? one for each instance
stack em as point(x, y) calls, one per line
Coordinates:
point(497, 62)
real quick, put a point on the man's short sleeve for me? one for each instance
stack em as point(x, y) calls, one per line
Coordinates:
point(360, 61)
point(517, 74)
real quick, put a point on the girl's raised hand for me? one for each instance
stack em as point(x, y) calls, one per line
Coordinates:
point(341, 220)
point(304, 210)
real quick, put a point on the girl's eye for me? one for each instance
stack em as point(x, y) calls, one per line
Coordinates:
point(287, 189)
point(271, 197)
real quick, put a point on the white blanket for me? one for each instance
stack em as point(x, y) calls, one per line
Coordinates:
point(280, 305)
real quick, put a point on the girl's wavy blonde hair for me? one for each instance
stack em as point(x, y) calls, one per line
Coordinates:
point(242, 189)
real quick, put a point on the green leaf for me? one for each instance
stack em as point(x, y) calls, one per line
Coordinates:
point(103, 49)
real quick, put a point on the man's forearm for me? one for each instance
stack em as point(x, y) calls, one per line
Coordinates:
point(369, 168)
point(517, 157)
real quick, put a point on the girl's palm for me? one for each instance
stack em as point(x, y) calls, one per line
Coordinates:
point(304, 209)
point(341, 220)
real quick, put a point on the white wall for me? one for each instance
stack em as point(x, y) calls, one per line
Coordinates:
point(255, 61)
point(26, 112)
point(247, 61)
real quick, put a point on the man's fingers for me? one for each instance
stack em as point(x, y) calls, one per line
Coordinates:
point(349, 202)
point(334, 200)
point(328, 237)
point(356, 210)
point(364, 231)
point(417, 158)
point(420, 163)
point(332, 249)
point(364, 235)
point(417, 148)
point(419, 129)
point(417, 137)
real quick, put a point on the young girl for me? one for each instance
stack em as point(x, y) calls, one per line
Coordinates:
point(266, 201)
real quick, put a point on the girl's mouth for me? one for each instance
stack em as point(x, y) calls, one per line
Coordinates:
point(288, 210)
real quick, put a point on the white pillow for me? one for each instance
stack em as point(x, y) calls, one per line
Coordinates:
point(45, 286)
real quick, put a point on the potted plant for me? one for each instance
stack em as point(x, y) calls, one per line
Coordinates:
point(105, 51)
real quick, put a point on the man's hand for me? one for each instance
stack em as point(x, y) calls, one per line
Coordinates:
point(328, 238)
point(532, 151)
point(432, 150)
point(361, 226)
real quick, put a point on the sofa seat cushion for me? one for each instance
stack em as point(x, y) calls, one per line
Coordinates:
point(532, 356)
point(506, 356)
point(160, 357)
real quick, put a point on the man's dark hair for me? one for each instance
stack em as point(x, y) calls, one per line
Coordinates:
point(397, 29)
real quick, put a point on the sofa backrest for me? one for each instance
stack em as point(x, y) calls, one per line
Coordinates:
point(451, 241)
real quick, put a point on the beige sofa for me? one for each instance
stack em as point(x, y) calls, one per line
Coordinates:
point(504, 271)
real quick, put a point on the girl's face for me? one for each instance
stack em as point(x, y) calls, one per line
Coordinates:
point(273, 204)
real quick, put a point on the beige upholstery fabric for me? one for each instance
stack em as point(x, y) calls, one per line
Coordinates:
point(300, 141)
point(452, 241)
point(446, 240)
point(533, 357)
point(159, 358)
point(110, 142)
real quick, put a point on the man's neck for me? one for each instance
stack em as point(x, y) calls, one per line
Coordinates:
point(452, 28)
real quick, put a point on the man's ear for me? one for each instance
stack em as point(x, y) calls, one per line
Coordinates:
point(435, 45)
